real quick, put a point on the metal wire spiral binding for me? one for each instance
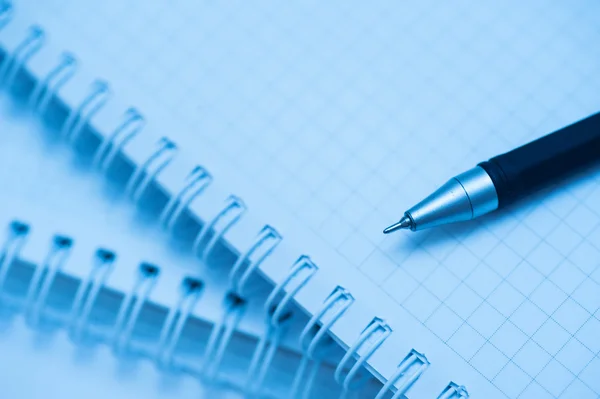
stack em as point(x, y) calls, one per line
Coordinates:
point(276, 308)
point(305, 378)
point(133, 122)
point(408, 372)
point(17, 237)
point(454, 391)
point(43, 277)
point(208, 236)
point(132, 305)
point(220, 336)
point(314, 338)
point(283, 293)
point(79, 117)
point(211, 232)
point(32, 43)
point(369, 340)
point(176, 319)
point(88, 290)
point(6, 13)
point(45, 88)
point(243, 268)
point(145, 172)
point(198, 179)
point(334, 306)
point(262, 358)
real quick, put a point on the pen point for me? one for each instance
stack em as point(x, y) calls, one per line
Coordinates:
point(404, 223)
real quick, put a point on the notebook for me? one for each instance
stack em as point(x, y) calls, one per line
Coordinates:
point(81, 270)
point(328, 120)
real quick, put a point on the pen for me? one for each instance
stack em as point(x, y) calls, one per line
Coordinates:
point(508, 177)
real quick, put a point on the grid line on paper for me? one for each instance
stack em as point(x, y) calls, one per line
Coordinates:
point(335, 119)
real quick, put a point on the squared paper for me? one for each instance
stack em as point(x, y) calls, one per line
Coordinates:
point(346, 113)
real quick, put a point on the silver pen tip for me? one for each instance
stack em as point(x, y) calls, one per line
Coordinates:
point(404, 223)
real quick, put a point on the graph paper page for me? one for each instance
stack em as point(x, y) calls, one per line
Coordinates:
point(347, 113)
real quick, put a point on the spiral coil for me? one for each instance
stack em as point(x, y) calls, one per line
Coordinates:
point(133, 122)
point(262, 358)
point(88, 291)
point(145, 172)
point(454, 391)
point(176, 319)
point(196, 182)
point(243, 268)
point(366, 344)
point(408, 372)
point(42, 92)
point(13, 62)
point(278, 302)
point(315, 341)
point(314, 336)
point(132, 305)
point(14, 243)
point(213, 229)
point(43, 278)
point(85, 297)
point(221, 335)
point(91, 104)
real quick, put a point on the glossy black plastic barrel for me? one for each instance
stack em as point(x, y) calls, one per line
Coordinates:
point(535, 165)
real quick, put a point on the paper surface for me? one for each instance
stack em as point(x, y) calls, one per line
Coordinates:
point(348, 113)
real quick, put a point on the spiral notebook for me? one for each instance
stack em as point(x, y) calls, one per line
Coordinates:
point(81, 265)
point(319, 124)
point(311, 338)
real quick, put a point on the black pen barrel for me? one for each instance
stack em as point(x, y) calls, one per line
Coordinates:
point(542, 162)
